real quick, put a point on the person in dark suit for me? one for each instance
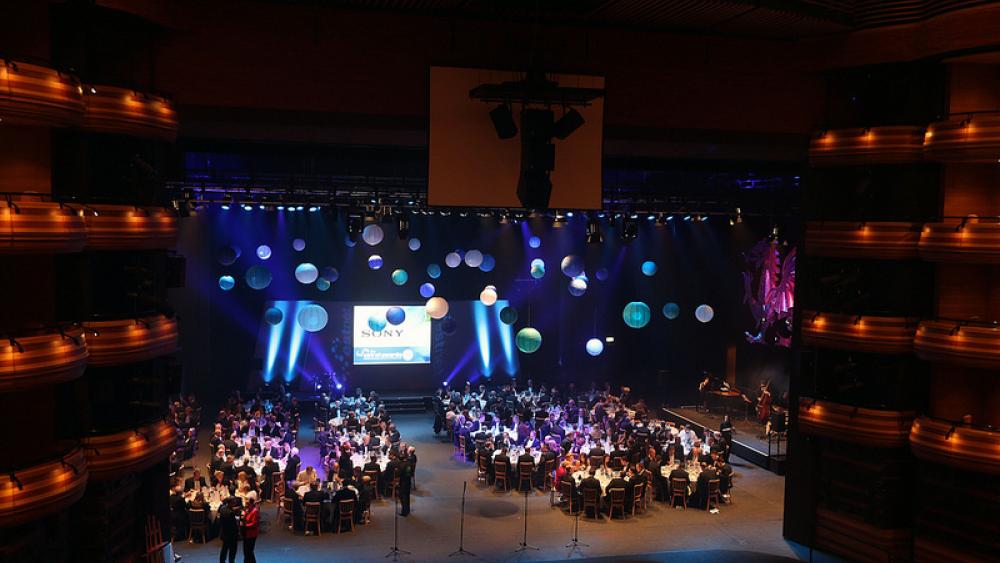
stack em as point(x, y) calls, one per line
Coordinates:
point(405, 483)
point(679, 473)
point(230, 444)
point(292, 466)
point(390, 470)
point(708, 473)
point(596, 457)
point(293, 496)
point(346, 492)
point(228, 469)
point(195, 482)
point(725, 472)
point(528, 459)
point(502, 457)
point(271, 471)
point(591, 483)
point(636, 478)
point(617, 482)
point(345, 464)
point(574, 495)
point(229, 528)
point(547, 455)
point(372, 464)
point(178, 513)
point(315, 494)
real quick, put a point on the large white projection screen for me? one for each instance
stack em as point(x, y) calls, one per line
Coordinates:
point(384, 336)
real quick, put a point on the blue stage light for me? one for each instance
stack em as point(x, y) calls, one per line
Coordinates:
point(225, 207)
point(483, 337)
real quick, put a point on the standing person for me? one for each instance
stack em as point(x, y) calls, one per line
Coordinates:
point(405, 482)
point(251, 528)
point(228, 532)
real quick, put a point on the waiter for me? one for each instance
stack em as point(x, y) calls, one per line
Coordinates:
point(405, 482)
point(726, 428)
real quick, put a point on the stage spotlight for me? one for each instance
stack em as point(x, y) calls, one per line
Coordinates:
point(569, 122)
point(594, 235)
point(630, 229)
point(559, 219)
point(299, 208)
point(651, 217)
point(503, 121)
point(281, 208)
point(687, 217)
point(403, 226)
point(704, 218)
point(247, 207)
point(569, 214)
point(313, 209)
point(505, 217)
point(227, 201)
point(634, 215)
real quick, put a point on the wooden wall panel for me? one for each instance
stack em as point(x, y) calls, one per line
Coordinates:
point(26, 159)
point(966, 291)
point(973, 87)
point(859, 541)
point(971, 189)
point(957, 391)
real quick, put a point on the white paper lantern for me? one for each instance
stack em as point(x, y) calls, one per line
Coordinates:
point(436, 307)
point(488, 297)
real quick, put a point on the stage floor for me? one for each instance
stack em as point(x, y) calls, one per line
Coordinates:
point(747, 530)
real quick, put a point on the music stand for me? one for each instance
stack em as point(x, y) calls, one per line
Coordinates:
point(575, 543)
point(395, 551)
point(523, 546)
point(461, 529)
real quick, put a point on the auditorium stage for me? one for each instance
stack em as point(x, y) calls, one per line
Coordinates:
point(748, 529)
point(747, 442)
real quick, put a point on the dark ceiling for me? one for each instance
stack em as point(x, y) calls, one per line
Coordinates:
point(777, 19)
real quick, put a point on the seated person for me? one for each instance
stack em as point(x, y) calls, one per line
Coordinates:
point(701, 494)
point(591, 484)
point(678, 474)
point(195, 483)
point(346, 492)
point(617, 482)
point(307, 476)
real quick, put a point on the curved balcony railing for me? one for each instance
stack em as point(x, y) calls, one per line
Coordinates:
point(110, 109)
point(873, 428)
point(49, 486)
point(127, 341)
point(35, 360)
point(960, 342)
point(29, 224)
point(971, 137)
point(858, 540)
point(888, 240)
point(114, 455)
point(128, 227)
point(32, 94)
point(861, 333)
point(965, 239)
point(872, 145)
point(956, 445)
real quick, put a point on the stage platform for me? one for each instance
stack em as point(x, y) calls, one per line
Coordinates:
point(747, 442)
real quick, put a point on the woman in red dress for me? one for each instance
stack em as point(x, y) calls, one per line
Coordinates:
point(251, 528)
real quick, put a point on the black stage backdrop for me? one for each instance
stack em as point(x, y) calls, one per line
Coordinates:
point(697, 263)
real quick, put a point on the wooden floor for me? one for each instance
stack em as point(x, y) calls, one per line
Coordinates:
point(747, 530)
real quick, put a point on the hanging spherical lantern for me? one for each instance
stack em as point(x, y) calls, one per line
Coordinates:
point(349, 243)
point(427, 290)
point(374, 261)
point(473, 258)
point(228, 255)
point(399, 277)
point(258, 277)
point(601, 274)
point(273, 316)
point(538, 273)
point(508, 315)
point(312, 318)
point(528, 340)
point(306, 273)
point(449, 325)
point(433, 271)
point(263, 252)
point(330, 274)
point(299, 245)
point(704, 313)
point(322, 284)
point(595, 346)
point(413, 244)
point(436, 307)
point(636, 314)
point(649, 268)
point(372, 234)
point(577, 286)
point(671, 311)
point(489, 262)
point(452, 260)
point(572, 266)
point(534, 242)
point(227, 282)
point(395, 315)
point(488, 296)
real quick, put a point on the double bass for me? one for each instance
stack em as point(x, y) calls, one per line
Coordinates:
point(764, 404)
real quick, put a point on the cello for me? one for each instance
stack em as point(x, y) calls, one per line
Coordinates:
point(764, 404)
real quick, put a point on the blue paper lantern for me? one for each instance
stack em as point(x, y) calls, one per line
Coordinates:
point(350, 243)
point(449, 325)
point(649, 268)
point(508, 315)
point(299, 245)
point(577, 286)
point(534, 242)
point(330, 274)
point(528, 340)
point(537, 273)
point(312, 318)
point(228, 255)
point(473, 258)
point(306, 273)
point(273, 316)
point(399, 277)
point(427, 290)
point(227, 282)
point(376, 322)
point(489, 262)
point(395, 315)
point(636, 314)
point(372, 234)
point(263, 252)
point(374, 261)
point(602, 274)
point(434, 271)
point(413, 244)
point(258, 277)
point(671, 310)
point(322, 284)
point(452, 260)
point(595, 346)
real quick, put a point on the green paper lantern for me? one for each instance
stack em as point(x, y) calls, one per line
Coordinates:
point(528, 340)
point(636, 314)
point(508, 315)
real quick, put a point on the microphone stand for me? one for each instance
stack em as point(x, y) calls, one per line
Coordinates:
point(575, 543)
point(394, 551)
point(461, 529)
point(524, 540)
